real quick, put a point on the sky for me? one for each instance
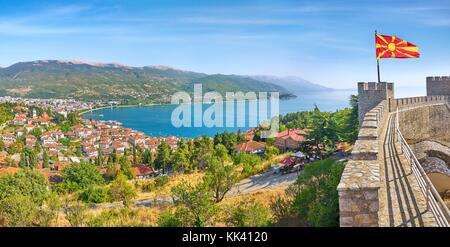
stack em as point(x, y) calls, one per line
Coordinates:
point(326, 42)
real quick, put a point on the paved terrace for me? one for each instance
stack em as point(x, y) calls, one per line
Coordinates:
point(382, 185)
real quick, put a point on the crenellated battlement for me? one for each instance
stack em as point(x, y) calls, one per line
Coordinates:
point(438, 78)
point(374, 86)
point(371, 94)
point(438, 85)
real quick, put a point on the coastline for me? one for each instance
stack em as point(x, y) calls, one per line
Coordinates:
point(158, 104)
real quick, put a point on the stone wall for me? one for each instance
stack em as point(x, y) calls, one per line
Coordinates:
point(411, 102)
point(438, 85)
point(360, 181)
point(370, 94)
point(428, 120)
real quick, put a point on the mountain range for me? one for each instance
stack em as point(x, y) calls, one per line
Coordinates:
point(113, 81)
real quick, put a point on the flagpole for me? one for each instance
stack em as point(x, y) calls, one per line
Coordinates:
point(378, 69)
point(378, 62)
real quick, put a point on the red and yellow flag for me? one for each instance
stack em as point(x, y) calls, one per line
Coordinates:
point(394, 47)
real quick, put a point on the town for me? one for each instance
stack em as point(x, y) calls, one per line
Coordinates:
point(55, 133)
point(36, 124)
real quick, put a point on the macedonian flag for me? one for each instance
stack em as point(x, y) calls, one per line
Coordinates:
point(394, 47)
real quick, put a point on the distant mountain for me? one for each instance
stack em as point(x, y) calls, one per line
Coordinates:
point(112, 81)
point(292, 83)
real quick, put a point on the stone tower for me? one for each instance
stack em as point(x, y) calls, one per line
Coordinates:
point(370, 94)
point(438, 85)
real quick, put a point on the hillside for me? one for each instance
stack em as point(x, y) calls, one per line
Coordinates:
point(94, 81)
point(291, 83)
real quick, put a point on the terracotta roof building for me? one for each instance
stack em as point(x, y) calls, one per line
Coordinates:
point(290, 139)
point(253, 147)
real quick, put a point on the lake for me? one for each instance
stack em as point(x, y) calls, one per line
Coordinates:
point(156, 120)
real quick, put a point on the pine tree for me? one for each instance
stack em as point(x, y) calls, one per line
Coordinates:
point(45, 159)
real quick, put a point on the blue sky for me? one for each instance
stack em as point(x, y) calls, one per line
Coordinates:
point(327, 42)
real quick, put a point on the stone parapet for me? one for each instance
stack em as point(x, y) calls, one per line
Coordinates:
point(403, 103)
point(360, 181)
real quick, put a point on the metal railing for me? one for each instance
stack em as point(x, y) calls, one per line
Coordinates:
point(434, 201)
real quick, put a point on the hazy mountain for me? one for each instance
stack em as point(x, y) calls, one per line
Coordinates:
point(93, 81)
point(292, 83)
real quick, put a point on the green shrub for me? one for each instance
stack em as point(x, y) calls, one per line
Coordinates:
point(148, 186)
point(316, 200)
point(169, 219)
point(95, 194)
point(249, 214)
point(161, 181)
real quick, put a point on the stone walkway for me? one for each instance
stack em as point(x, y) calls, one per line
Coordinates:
point(401, 201)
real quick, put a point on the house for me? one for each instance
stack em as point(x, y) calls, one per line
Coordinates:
point(20, 119)
point(8, 138)
point(53, 147)
point(48, 139)
point(29, 127)
point(30, 141)
point(91, 152)
point(252, 147)
point(20, 132)
point(290, 139)
point(136, 140)
point(143, 171)
point(62, 112)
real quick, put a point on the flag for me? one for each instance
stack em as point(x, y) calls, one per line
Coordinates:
point(394, 47)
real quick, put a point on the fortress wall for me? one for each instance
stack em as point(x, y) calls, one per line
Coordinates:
point(360, 181)
point(370, 94)
point(438, 85)
point(425, 122)
point(404, 103)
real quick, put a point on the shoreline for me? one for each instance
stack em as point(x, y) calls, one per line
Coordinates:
point(157, 104)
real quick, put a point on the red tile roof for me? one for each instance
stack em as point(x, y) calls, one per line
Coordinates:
point(250, 146)
point(294, 134)
point(142, 170)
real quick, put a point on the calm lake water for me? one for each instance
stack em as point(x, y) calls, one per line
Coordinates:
point(156, 120)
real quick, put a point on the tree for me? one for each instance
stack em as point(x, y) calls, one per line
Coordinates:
point(180, 160)
point(2, 145)
point(99, 160)
point(202, 152)
point(147, 157)
point(249, 213)
point(114, 158)
point(21, 195)
point(162, 159)
point(95, 194)
point(134, 154)
point(120, 190)
point(45, 159)
point(195, 204)
point(28, 158)
point(50, 210)
point(271, 151)
point(169, 219)
point(221, 152)
point(315, 198)
point(18, 210)
point(29, 183)
point(125, 167)
point(219, 178)
point(76, 213)
point(353, 125)
point(79, 176)
point(78, 152)
point(36, 132)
